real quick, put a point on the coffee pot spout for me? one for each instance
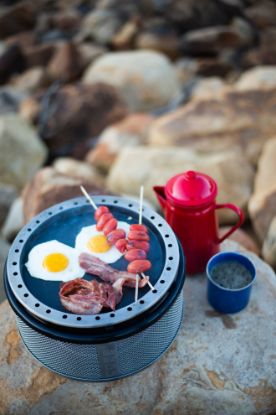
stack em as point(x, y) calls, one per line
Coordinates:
point(160, 194)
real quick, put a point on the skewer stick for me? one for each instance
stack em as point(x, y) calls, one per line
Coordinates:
point(140, 223)
point(136, 287)
point(88, 197)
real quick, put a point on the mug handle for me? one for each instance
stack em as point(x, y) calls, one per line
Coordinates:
point(240, 214)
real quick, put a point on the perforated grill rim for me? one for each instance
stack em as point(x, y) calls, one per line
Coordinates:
point(51, 315)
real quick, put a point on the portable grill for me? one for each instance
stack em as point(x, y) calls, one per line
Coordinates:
point(112, 344)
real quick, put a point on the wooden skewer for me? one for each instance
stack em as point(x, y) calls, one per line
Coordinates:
point(88, 197)
point(140, 223)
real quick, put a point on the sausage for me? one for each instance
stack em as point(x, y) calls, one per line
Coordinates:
point(138, 236)
point(134, 254)
point(100, 211)
point(139, 265)
point(109, 226)
point(121, 245)
point(138, 244)
point(103, 220)
point(138, 227)
point(115, 235)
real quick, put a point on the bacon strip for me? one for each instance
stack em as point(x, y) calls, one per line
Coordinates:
point(93, 265)
point(89, 297)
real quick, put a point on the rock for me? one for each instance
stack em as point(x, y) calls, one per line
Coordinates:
point(54, 184)
point(124, 38)
point(146, 79)
point(211, 40)
point(7, 196)
point(130, 132)
point(66, 64)
point(29, 110)
point(11, 61)
point(215, 66)
point(150, 166)
point(186, 70)
point(68, 21)
point(89, 109)
point(263, 77)
point(242, 238)
point(206, 88)
point(10, 100)
point(18, 18)
point(265, 53)
point(233, 119)
point(18, 141)
point(262, 204)
point(269, 246)
point(14, 220)
point(262, 14)
point(158, 35)
point(100, 26)
point(40, 55)
point(4, 250)
point(186, 380)
point(31, 80)
point(90, 52)
point(23, 39)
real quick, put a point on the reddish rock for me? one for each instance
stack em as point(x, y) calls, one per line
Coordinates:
point(39, 55)
point(262, 14)
point(23, 39)
point(55, 184)
point(66, 64)
point(124, 39)
point(29, 109)
point(89, 109)
point(130, 132)
point(242, 238)
point(18, 18)
point(67, 21)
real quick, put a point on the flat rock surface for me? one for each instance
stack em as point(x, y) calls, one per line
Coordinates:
point(219, 364)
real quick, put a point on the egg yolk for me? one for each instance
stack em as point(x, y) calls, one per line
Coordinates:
point(98, 244)
point(55, 262)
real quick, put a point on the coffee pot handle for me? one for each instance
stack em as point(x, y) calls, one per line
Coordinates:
point(240, 214)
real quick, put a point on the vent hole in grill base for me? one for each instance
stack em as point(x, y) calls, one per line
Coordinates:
point(129, 309)
point(48, 311)
point(112, 315)
point(170, 258)
point(162, 281)
point(168, 268)
point(97, 318)
point(37, 304)
point(64, 316)
point(20, 286)
point(79, 318)
point(17, 250)
point(154, 291)
point(26, 295)
point(141, 301)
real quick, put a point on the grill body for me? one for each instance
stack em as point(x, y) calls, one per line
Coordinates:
point(105, 361)
point(109, 346)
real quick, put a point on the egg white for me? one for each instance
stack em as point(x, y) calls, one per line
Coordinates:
point(110, 256)
point(40, 251)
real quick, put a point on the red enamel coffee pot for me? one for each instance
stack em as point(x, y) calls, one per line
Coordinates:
point(189, 205)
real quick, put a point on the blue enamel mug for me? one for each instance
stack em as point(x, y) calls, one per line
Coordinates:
point(229, 300)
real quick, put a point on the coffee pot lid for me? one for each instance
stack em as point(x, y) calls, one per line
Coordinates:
point(190, 189)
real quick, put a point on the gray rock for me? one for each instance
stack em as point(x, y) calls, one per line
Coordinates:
point(219, 364)
point(146, 79)
point(21, 151)
point(14, 220)
point(269, 246)
point(10, 99)
point(100, 25)
point(7, 196)
point(151, 166)
point(260, 77)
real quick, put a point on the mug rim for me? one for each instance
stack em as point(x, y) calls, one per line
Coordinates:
point(237, 256)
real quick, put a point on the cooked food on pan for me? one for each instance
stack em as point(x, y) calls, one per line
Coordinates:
point(54, 261)
point(97, 243)
point(89, 297)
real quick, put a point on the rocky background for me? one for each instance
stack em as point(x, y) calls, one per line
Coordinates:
point(115, 94)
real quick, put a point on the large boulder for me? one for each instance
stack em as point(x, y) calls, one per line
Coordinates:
point(237, 117)
point(89, 109)
point(55, 184)
point(19, 141)
point(269, 246)
point(262, 204)
point(146, 79)
point(151, 166)
point(132, 131)
point(7, 196)
point(219, 364)
point(14, 220)
point(4, 250)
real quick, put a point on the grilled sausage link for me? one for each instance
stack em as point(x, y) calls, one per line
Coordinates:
point(138, 266)
point(138, 227)
point(115, 236)
point(110, 226)
point(138, 236)
point(138, 244)
point(100, 211)
point(121, 245)
point(105, 217)
point(134, 254)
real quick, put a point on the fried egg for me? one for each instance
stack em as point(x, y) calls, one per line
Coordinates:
point(94, 242)
point(54, 261)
